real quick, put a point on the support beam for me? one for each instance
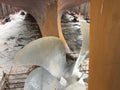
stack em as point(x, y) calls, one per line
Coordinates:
point(51, 23)
point(105, 45)
point(50, 26)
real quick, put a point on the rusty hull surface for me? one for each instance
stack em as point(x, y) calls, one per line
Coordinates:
point(45, 12)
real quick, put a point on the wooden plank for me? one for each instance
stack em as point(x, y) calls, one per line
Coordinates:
point(105, 45)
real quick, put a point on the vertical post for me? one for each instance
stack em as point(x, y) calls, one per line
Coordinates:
point(105, 45)
point(50, 23)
